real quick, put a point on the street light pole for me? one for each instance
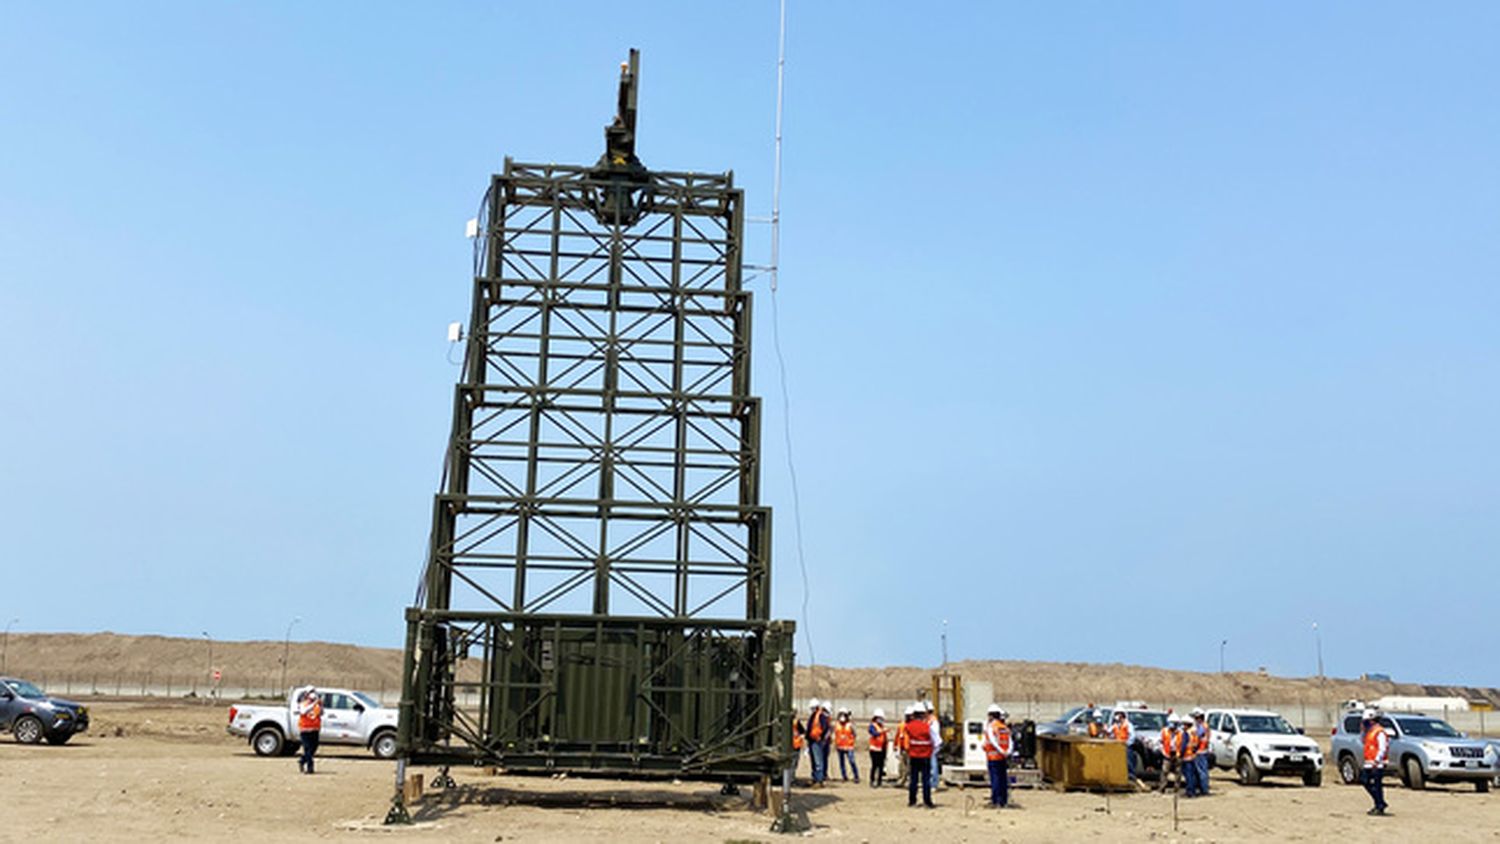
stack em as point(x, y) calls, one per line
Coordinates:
point(1222, 643)
point(286, 651)
point(1322, 681)
point(1319, 635)
point(210, 662)
point(5, 649)
point(945, 646)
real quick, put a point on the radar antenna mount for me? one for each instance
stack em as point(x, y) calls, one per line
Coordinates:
point(627, 196)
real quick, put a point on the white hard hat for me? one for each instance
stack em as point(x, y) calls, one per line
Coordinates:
point(1369, 715)
point(1197, 711)
point(927, 705)
point(879, 713)
point(909, 710)
point(1004, 714)
point(812, 703)
point(844, 710)
point(1184, 718)
point(995, 709)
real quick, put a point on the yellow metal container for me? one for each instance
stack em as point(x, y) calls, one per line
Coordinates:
point(1079, 762)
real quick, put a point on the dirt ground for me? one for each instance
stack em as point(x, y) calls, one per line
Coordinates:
point(148, 771)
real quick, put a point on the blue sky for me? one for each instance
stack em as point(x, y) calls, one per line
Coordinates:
point(1120, 328)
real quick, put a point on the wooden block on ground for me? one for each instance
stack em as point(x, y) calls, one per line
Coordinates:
point(760, 794)
point(411, 790)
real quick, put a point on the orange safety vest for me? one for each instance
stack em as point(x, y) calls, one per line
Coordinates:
point(310, 718)
point(996, 740)
point(1374, 752)
point(815, 726)
point(1121, 731)
point(1189, 744)
point(1169, 741)
point(878, 736)
point(1095, 729)
point(796, 733)
point(902, 739)
point(1201, 733)
point(843, 735)
point(919, 738)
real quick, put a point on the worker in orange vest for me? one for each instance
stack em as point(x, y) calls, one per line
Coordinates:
point(1189, 758)
point(309, 725)
point(843, 742)
point(1377, 753)
point(1096, 725)
point(920, 746)
point(798, 740)
point(1171, 751)
point(903, 745)
point(1201, 734)
point(819, 738)
point(1124, 732)
point(880, 737)
point(997, 750)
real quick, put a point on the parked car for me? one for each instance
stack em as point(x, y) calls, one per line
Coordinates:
point(1257, 744)
point(1075, 720)
point(31, 716)
point(349, 718)
point(1423, 749)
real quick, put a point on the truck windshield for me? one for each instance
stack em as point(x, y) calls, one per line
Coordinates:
point(1147, 720)
point(26, 690)
point(1427, 728)
point(369, 702)
point(1265, 724)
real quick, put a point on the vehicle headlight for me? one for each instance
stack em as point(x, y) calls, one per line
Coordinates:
point(1433, 747)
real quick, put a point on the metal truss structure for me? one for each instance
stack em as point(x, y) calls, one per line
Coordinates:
point(597, 589)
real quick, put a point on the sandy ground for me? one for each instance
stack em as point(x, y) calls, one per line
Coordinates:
point(148, 771)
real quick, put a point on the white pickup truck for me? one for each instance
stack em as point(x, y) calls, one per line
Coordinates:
point(349, 717)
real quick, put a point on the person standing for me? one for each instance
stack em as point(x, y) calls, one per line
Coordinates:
point(1377, 752)
point(1170, 753)
point(798, 740)
point(997, 750)
point(880, 737)
point(1096, 725)
point(1201, 734)
point(1188, 758)
point(843, 742)
point(819, 738)
point(903, 745)
point(922, 747)
point(937, 740)
point(309, 726)
point(1124, 732)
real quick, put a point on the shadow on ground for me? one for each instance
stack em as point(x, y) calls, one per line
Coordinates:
point(435, 805)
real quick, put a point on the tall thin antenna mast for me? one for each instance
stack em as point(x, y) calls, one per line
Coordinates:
point(776, 189)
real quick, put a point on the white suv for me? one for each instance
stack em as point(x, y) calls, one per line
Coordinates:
point(1256, 743)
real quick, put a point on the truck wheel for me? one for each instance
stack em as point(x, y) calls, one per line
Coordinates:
point(1348, 772)
point(59, 738)
point(267, 741)
point(1415, 779)
point(27, 729)
point(1249, 774)
point(1312, 779)
point(1136, 763)
point(384, 745)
